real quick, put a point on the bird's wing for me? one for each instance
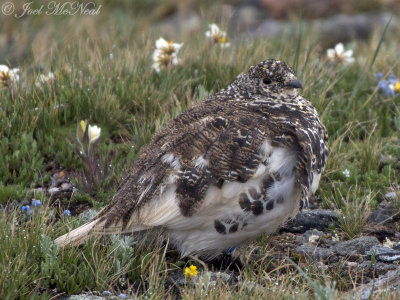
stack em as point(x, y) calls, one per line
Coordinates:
point(196, 150)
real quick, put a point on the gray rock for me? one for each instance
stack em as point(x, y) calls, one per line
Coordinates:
point(66, 186)
point(347, 27)
point(391, 196)
point(385, 213)
point(319, 219)
point(85, 297)
point(246, 17)
point(182, 22)
point(176, 279)
point(356, 246)
point(211, 278)
point(315, 252)
point(384, 254)
point(273, 29)
point(53, 190)
point(388, 283)
point(339, 28)
point(372, 270)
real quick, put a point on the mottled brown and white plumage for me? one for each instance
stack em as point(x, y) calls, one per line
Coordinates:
point(225, 171)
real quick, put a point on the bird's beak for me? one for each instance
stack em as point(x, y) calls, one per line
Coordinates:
point(295, 84)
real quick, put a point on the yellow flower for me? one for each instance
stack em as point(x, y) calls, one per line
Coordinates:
point(83, 125)
point(191, 271)
point(397, 87)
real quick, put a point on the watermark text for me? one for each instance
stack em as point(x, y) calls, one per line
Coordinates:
point(52, 8)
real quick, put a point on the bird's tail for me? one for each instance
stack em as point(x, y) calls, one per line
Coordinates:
point(95, 227)
point(81, 234)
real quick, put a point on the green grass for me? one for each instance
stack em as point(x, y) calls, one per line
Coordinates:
point(129, 101)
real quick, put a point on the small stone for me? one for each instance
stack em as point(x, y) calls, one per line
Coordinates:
point(213, 277)
point(315, 252)
point(391, 196)
point(383, 253)
point(66, 186)
point(53, 190)
point(356, 246)
point(319, 219)
point(351, 264)
point(387, 284)
point(85, 297)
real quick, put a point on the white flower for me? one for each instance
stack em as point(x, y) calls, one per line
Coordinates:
point(335, 238)
point(8, 76)
point(166, 54)
point(388, 243)
point(339, 55)
point(48, 79)
point(94, 133)
point(346, 173)
point(217, 36)
point(313, 238)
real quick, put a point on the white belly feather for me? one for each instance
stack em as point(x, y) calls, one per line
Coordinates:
point(198, 233)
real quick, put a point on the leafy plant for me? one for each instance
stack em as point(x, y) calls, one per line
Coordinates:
point(20, 160)
point(97, 173)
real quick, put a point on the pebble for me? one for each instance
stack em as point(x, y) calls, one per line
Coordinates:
point(391, 196)
point(66, 186)
point(318, 219)
point(384, 254)
point(356, 246)
point(53, 190)
point(387, 284)
point(319, 253)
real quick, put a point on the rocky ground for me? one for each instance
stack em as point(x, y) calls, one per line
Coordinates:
point(371, 260)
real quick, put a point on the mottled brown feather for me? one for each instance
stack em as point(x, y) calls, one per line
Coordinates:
point(228, 129)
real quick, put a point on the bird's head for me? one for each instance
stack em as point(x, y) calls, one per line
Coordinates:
point(270, 77)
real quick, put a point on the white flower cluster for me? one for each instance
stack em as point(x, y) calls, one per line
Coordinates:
point(45, 79)
point(166, 54)
point(217, 36)
point(8, 76)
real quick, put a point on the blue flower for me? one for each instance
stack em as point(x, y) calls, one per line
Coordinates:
point(36, 203)
point(122, 296)
point(107, 293)
point(67, 212)
point(383, 85)
point(230, 251)
point(25, 208)
point(390, 86)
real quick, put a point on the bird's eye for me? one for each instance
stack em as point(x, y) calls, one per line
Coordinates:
point(267, 80)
